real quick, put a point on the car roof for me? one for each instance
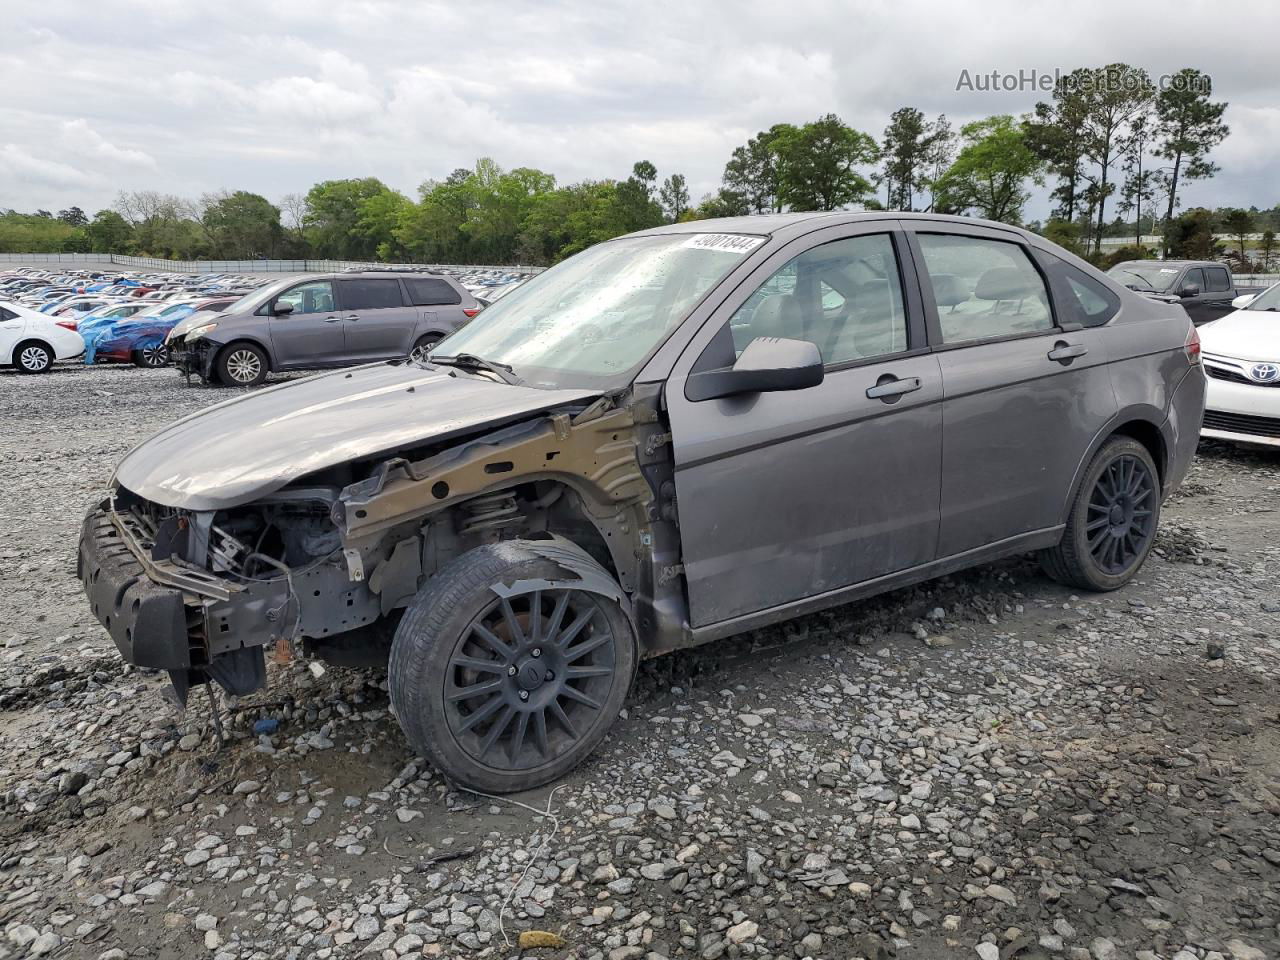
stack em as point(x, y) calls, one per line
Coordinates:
point(1171, 263)
point(775, 224)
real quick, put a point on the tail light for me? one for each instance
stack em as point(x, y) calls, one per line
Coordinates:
point(1192, 346)
point(471, 311)
point(68, 324)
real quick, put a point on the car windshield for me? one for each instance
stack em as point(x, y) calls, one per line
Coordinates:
point(591, 320)
point(1149, 275)
point(1269, 299)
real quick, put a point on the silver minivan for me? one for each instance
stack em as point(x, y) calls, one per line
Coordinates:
point(324, 320)
point(672, 437)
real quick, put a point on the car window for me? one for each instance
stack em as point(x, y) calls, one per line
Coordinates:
point(430, 291)
point(7, 314)
point(984, 288)
point(370, 294)
point(313, 297)
point(1219, 281)
point(1195, 276)
point(845, 297)
point(1089, 303)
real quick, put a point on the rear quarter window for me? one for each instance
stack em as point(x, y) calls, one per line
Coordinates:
point(431, 292)
point(1084, 300)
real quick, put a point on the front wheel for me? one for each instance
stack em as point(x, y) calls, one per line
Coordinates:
point(1113, 520)
point(151, 355)
point(504, 673)
point(242, 365)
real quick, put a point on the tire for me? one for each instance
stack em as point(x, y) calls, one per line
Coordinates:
point(151, 355)
point(241, 365)
point(32, 356)
point(456, 636)
point(425, 345)
point(1113, 520)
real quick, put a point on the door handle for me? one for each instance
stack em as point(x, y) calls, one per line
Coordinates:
point(1064, 352)
point(889, 388)
point(351, 316)
point(332, 319)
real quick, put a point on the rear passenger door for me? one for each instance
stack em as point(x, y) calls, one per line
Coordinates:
point(378, 323)
point(1026, 387)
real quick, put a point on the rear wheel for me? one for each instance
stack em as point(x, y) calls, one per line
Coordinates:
point(32, 357)
point(424, 346)
point(151, 355)
point(505, 675)
point(1113, 520)
point(242, 365)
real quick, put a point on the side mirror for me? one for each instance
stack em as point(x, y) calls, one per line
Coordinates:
point(1188, 290)
point(282, 308)
point(767, 365)
point(1242, 301)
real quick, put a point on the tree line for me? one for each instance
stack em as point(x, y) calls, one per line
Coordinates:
point(1107, 140)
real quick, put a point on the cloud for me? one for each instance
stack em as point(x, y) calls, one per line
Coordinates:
point(79, 138)
point(272, 97)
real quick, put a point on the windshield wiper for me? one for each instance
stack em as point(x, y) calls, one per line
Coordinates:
point(469, 361)
point(1149, 284)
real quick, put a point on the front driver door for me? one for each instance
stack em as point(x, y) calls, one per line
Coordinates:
point(790, 495)
point(313, 333)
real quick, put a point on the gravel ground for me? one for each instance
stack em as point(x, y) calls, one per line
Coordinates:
point(987, 764)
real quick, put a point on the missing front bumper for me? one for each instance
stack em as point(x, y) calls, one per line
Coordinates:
point(192, 627)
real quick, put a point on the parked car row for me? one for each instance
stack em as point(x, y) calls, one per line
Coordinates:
point(235, 330)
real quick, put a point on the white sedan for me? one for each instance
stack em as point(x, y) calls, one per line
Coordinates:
point(31, 341)
point(1241, 354)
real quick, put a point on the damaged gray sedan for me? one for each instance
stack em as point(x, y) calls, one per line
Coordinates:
point(672, 437)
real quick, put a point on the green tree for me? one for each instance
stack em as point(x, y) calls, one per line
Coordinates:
point(109, 233)
point(241, 225)
point(939, 151)
point(674, 197)
point(74, 216)
point(1065, 234)
point(902, 154)
point(333, 217)
point(816, 164)
point(1239, 223)
point(1054, 134)
point(723, 203)
point(501, 202)
point(33, 233)
point(752, 172)
point(378, 220)
point(1189, 236)
point(637, 209)
point(1188, 126)
point(1267, 248)
point(1117, 95)
point(991, 172)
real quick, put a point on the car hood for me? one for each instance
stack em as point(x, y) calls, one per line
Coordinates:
point(248, 447)
point(1243, 335)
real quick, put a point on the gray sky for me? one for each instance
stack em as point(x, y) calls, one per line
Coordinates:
point(274, 95)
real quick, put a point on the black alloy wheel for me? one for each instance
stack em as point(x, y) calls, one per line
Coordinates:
point(529, 677)
point(1121, 520)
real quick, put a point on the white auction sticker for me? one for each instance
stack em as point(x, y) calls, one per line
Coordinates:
point(728, 242)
